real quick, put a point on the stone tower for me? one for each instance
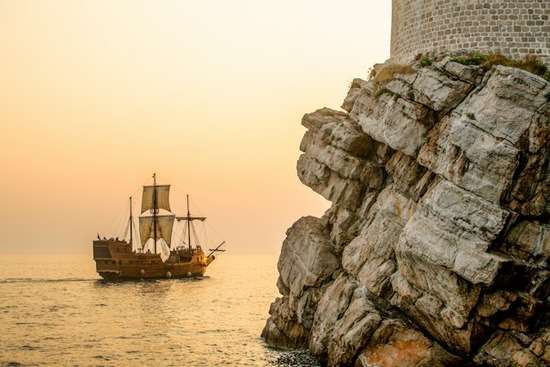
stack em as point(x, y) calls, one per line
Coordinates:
point(515, 28)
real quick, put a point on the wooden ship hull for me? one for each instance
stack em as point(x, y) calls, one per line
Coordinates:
point(116, 261)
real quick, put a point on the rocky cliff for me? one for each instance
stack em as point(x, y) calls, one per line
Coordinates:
point(435, 249)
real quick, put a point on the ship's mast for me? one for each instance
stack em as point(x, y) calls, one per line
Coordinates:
point(155, 209)
point(131, 225)
point(188, 224)
point(188, 218)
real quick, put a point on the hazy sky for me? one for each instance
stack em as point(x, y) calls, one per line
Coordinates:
point(95, 96)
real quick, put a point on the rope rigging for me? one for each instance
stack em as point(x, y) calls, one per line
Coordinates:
point(195, 237)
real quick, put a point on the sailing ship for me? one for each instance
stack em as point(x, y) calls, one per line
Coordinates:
point(119, 259)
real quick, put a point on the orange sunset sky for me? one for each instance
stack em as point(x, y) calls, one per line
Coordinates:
point(97, 95)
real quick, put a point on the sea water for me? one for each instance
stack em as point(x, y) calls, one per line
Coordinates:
point(54, 311)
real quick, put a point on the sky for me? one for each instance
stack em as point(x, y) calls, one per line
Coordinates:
point(97, 95)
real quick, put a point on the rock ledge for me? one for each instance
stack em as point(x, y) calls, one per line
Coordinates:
point(435, 249)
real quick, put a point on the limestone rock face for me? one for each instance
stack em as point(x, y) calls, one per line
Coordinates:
point(306, 259)
point(435, 249)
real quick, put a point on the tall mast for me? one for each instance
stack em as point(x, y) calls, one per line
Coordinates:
point(188, 224)
point(131, 225)
point(155, 209)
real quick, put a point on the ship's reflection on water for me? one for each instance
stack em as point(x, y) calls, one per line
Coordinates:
point(58, 313)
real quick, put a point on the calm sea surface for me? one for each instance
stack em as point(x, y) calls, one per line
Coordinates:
point(54, 311)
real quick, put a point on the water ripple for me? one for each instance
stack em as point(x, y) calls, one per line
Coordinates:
point(51, 317)
point(44, 280)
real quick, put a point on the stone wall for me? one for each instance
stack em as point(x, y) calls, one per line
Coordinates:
point(515, 28)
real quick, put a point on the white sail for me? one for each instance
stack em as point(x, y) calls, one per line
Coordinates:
point(163, 197)
point(165, 224)
point(164, 251)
